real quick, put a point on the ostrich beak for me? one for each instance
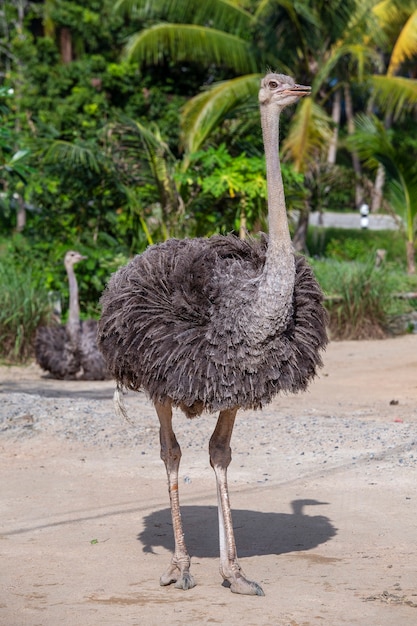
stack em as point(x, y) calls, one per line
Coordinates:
point(299, 90)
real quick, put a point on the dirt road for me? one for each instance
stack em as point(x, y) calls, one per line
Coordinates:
point(323, 489)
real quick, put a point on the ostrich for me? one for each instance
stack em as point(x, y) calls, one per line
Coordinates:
point(217, 324)
point(70, 351)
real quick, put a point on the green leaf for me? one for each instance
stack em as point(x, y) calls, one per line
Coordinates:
point(19, 156)
point(309, 135)
point(396, 94)
point(406, 45)
point(206, 111)
point(185, 42)
point(72, 154)
point(221, 14)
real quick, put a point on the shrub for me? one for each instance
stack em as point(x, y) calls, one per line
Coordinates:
point(24, 306)
point(359, 298)
point(346, 244)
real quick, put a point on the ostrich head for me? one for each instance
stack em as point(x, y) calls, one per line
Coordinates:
point(72, 257)
point(281, 91)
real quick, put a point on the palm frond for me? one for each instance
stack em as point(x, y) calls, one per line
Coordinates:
point(361, 54)
point(294, 11)
point(73, 155)
point(372, 144)
point(405, 46)
point(309, 135)
point(204, 112)
point(149, 136)
point(395, 94)
point(184, 42)
point(403, 199)
point(221, 14)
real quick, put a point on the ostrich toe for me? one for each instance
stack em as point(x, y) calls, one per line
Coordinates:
point(182, 579)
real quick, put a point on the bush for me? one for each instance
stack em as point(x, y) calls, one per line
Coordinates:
point(345, 244)
point(360, 298)
point(25, 306)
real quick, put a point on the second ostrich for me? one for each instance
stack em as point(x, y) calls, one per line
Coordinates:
point(70, 351)
point(217, 324)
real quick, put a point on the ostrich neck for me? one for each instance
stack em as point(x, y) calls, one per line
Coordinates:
point(74, 307)
point(276, 284)
point(279, 234)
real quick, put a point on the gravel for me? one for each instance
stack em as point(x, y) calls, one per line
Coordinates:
point(280, 443)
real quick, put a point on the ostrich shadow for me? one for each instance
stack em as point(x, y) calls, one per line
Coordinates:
point(257, 533)
point(49, 387)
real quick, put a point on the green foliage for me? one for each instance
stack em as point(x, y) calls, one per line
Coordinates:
point(107, 157)
point(47, 271)
point(221, 191)
point(359, 298)
point(345, 244)
point(24, 306)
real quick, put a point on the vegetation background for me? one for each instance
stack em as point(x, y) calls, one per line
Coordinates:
point(123, 124)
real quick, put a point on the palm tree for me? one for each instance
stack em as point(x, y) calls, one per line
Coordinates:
point(373, 143)
point(395, 93)
point(308, 40)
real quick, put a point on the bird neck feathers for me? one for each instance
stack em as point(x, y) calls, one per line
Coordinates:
point(279, 234)
point(74, 307)
point(277, 282)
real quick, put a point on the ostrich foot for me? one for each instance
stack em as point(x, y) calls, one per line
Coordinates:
point(239, 584)
point(179, 575)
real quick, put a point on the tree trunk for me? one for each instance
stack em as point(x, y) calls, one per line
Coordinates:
point(336, 113)
point(380, 176)
point(355, 159)
point(300, 236)
point(20, 214)
point(243, 224)
point(65, 45)
point(376, 200)
point(411, 262)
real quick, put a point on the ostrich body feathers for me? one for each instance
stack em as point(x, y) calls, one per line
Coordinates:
point(71, 352)
point(177, 322)
point(56, 353)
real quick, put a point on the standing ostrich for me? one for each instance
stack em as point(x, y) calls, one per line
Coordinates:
point(70, 351)
point(217, 324)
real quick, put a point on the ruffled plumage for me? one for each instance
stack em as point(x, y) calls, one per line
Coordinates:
point(161, 330)
point(56, 353)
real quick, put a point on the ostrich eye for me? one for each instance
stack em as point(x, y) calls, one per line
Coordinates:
point(273, 84)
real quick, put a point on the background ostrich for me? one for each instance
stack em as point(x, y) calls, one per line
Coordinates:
point(217, 324)
point(70, 351)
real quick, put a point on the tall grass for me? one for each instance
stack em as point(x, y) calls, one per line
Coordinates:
point(359, 298)
point(24, 306)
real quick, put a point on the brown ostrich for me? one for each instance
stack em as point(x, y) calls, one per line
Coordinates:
point(70, 351)
point(217, 324)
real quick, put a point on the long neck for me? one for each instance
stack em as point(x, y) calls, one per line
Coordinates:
point(74, 307)
point(273, 305)
point(279, 234)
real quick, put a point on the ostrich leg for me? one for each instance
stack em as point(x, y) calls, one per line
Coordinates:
point(220, 457)
point(179, 570)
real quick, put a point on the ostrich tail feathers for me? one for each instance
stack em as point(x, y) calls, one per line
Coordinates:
point(119, 405)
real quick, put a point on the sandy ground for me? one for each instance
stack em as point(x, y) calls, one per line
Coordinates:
point(323, 489)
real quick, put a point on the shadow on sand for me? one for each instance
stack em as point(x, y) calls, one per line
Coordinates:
point(50, 388)
point(257, 533)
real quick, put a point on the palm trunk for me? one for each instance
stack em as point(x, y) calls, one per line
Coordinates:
point(376, 200)
point(380, 176)
point(242, 224)
point(21, 215)
point(65, 38)
point(355, 158)
point(300, 235)
point(411, 261)
point(336, 113)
